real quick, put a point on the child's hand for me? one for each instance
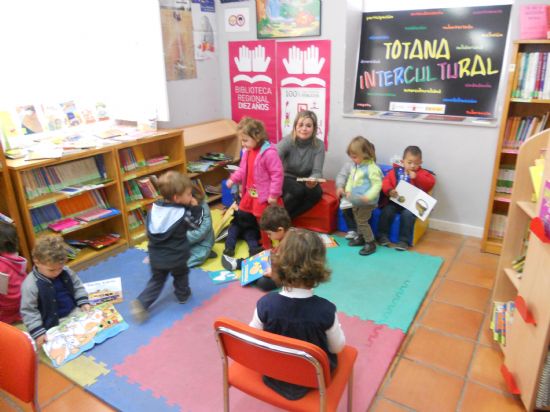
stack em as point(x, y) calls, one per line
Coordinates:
point(272, 200)
point(340, 192)
point(348, 195)
point(311, 184)
point(229, 183)
point(412, 174)
point(194, 202)
point(86, 307)
point(393, 193)
point(41, 340)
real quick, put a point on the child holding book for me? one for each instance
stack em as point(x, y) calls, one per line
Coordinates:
point(411, 171)
point(167, 225)
point(201, 239)
point(15, 268)
point(300, 265)
point(260, 172)
point(51, 291)
point(360, 181)
point(275, 221)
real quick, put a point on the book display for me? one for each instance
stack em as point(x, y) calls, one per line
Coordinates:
point(522, 281)
point(526, 112)
point(209, 148)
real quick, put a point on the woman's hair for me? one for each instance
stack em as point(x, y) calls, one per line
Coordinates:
point(9, 242)
point(253, 128)
point(306, 114)
point(300, 260)
point(197, 193)
point(359, 146)
point(49, 249)
point(274, 217)
point(173, 183)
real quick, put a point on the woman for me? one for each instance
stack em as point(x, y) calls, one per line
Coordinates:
point(303, 155)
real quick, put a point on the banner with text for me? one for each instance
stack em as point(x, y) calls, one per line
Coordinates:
point(252, 80)
point(303, 78)
point(437, 61)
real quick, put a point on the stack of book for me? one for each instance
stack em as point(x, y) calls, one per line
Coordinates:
point(533, 80)
point(505, 179)
point(501, 320)
point(519, 129)
point(132, 158)
point(136, 218)
point(498, 226)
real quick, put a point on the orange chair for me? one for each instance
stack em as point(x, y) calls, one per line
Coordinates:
point(18, 365)
point(256, 352)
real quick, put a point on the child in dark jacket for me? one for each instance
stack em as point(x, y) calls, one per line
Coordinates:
point(14, 267)
point(201, 239)
point(167, 226)
point(51, 291)
point(411, 172)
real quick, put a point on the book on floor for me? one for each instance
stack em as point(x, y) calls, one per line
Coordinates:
point(255, 267)
point(106, 290)
point(328, 240)
point(223, 276)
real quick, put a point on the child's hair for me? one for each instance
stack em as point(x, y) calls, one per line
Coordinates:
point(412, 150)
point(306, 114)
point(198, 194)
point(49, 249)
point(253, 128)
point(301, 260)
point(173, 183)
point(359, 146)
point(274, 217)
point(9, 243)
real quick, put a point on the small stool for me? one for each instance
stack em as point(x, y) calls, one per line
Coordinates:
point(321, 217)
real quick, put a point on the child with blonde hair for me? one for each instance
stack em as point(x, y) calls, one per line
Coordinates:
point(360, 181)
point(299, 266)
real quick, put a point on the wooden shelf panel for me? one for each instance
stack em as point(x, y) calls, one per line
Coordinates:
point(82, 226)
point(57, 196)
point(513, 276)
point(88, 256)
point(149, 170)
point(493, 245)
point(138, 204)
point(530, 101)
point(530, 208)
point(503, 197)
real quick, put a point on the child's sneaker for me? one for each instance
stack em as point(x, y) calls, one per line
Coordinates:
point(351, 234)
point(368, 249)
point(401, 246)
point(229, 263)
point(139, 313)
point(185, 298)
point(383, 240)
point(357, 241)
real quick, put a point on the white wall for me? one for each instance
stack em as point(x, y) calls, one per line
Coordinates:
point(461, 156)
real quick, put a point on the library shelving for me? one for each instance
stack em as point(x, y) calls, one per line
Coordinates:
point(217, 136)
point(8, 206)
point(137, 161)
point(528, 334)
point(525, 112)
point(79, 194)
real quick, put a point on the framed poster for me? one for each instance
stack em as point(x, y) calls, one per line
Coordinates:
point(279, 18)
point(434, 61)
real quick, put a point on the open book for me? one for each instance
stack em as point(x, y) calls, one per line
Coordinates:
point(418, 202)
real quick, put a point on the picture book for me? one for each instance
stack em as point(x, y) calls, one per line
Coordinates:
point(29, 120)
point(345, 203)
point(79, 333)
point(4, 280)
point(418, 202)
point(73, 117)
point(106, 290)
point(328, 240)
point(223, 276)
point(255, 267)
point(7, 125)
point(311, 179)
point(544, 213)
point(54, 117)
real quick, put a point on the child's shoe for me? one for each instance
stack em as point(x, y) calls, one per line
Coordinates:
point(229, 252)
point(401, 246)
point(229, 263)
point(383, 240)
point(139, 313)
point(368, 249)
point(185, 298)
point(351, 235)
point(212, 255)
point(359, 240)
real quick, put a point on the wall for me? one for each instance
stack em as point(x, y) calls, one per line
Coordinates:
point(461, 156)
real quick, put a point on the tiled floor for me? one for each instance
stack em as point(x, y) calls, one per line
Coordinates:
point(447, 362)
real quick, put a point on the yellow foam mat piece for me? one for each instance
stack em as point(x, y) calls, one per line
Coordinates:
point(142, 245)
point(83, 370)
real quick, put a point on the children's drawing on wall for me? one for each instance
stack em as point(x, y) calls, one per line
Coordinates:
point(204, 36)
point(177, 38)
point(287, 18)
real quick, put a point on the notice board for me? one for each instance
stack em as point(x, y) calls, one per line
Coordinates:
point(438, 61)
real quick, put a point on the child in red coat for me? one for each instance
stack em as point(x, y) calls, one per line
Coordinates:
point(14, 266)
point(411, 172)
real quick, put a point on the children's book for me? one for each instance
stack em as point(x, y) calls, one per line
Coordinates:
point(418, 202)
point(106, 290)
point(28, 117)
point(311, 179)
point(544, 212)
point(222, 276)
point(345, 203)
point(255, 267)
point(79, 333)
point(4, 280)
point(328, 240)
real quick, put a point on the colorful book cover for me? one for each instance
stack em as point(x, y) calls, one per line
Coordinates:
point(255, 267)
point(106, 290)
point(73, 116)
point(79, 333)
point(54, 117)
point(7, 125)
point(328, 240)
point(223, 276)
point(28, 117)
point(544, 213)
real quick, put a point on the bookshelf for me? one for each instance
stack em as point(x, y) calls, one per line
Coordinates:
point(8, 206)
point(215, 136)
point(38, 189)
point(524, 113)
point(521, 371)
point(136, 160)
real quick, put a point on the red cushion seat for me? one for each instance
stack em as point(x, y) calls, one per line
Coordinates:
point(323, 216)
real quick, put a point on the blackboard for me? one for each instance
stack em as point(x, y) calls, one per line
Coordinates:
point(437, 61)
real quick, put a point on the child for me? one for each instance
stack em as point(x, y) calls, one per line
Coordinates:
point(14, 266)
point(167, 226)
point(295, 312)
point(245, 226)
point(275, 221)
point(360, 181)
point(51, 291)
point(411, 172)
point(201, 239)
point(260, 172)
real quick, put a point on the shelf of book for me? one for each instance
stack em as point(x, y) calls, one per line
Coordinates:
point(526, 112)
point(55, 197)
point(515, 277)
point(139, 204)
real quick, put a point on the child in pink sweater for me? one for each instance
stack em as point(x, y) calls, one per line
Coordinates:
point(14, 266)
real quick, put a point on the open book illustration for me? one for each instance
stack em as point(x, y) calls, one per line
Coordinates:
point(222, 276)
point(81, 332)
point(418, 202)
point(107, 290)
point(255, 267)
